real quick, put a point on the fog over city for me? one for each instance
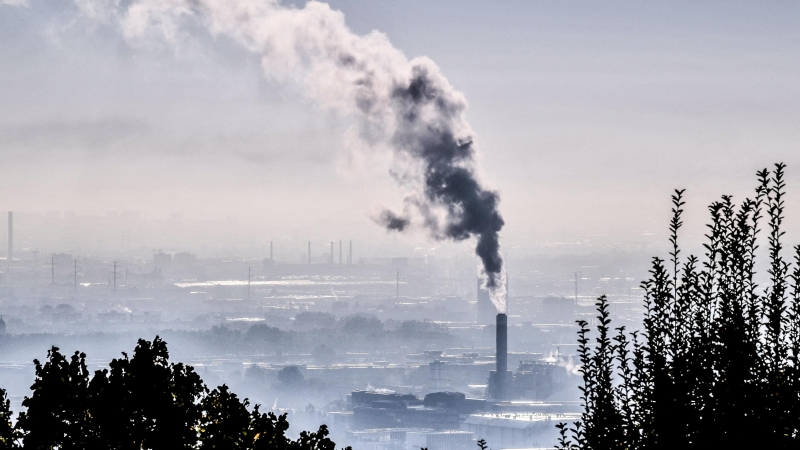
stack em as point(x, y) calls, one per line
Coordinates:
point(384, 217)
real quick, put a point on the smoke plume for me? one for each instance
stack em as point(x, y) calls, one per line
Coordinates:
point(405, 106)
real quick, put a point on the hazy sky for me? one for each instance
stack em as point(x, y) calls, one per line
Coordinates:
point(587, 116)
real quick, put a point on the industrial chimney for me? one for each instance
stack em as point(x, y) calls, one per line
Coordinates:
point(10, 236)
point(501, 388)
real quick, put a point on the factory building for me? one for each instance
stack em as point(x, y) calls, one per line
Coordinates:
point(502, 430)
point(404, 439)
point(437, 411)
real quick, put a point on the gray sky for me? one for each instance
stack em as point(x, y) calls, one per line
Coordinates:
point(587, 116)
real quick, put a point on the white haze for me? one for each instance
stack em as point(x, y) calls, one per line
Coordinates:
point(587, 115)
point(357, 76)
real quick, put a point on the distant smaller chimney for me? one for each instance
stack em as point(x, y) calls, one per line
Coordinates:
point(10, 236)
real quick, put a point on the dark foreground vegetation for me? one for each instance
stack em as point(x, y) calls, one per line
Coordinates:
point(716, 364)
point(143, 402)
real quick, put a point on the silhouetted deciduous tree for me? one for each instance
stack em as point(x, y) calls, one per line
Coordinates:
point(716, 363)
point(144, 402)
point(8, 434)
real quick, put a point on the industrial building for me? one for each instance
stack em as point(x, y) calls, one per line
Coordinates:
point(509, 430)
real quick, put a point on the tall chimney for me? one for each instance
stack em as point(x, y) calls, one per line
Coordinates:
point(309, 253)
point(340, 253)
point(350, 256)
point(270, 251)
point(10, 236)
point(502, 356)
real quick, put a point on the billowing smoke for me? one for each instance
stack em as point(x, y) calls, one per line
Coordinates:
point(403, 106)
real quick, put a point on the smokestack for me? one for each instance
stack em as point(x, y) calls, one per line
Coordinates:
point(340, 253)
point(309, 253)
point(350, 256)
point(331, 262)
point(10, 235)
point(270, 251)
point(502, 356)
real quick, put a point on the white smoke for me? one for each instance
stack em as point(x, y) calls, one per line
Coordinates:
point(404, 106)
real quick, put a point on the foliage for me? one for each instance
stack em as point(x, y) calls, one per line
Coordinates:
point(716, 363)
point(144, 402)
point(9, 435)
point(290, 376)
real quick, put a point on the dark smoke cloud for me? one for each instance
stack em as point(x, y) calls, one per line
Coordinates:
point(450, 182)
point(392, 221)
point(403, 105)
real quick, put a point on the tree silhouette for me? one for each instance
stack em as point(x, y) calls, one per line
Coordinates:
point(8, 434)
point(144, 402)
point(716, 361)
point(57, 413)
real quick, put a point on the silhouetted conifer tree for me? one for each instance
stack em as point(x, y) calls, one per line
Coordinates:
point(716, 362)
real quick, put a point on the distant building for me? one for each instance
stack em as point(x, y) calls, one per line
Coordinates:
point(183, 259)
point(161, 259)
point(438, 411)
point(377, 439)
point(440, 440)
point(410, 439)
point(516, 430)
point(538, 380)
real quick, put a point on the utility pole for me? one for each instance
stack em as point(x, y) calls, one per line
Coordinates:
point(76, 273)
point(248, 284)
point(53, 268)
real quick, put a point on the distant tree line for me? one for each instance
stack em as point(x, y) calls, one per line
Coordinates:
point(143, 402)
point(356, 332)
point(716, 364)
point(353, 332)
